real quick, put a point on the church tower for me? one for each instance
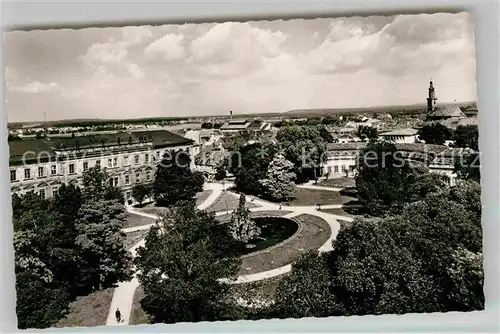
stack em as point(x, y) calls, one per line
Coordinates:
point(431, 99)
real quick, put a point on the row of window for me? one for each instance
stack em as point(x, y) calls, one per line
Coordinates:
point(113, 181)
point(53, 169)
point(344, 168)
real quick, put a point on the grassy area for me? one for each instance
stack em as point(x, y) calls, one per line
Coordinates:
point(202, 196)
point(304, 196)
point(315, 232)
point(256, 214)
point(137, 315)
point(264, 289)
point(134, 220)
point(134, 237)
point(340, 182)
point(338, 212)
point(230, 200)
point(88, 311)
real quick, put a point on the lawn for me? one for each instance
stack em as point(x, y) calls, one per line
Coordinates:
point(202, 196)
point(134, 220)
point(88, 311)
point(137, 315)
point(227, 201)
point(156, 210)
point(340, 182)
point(338, 212)
point(304, 196)
point(260, 290)
point(315, 232)
point(134, 237)
point(264, 213)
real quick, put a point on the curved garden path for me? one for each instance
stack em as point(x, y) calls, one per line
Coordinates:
point(124, 293)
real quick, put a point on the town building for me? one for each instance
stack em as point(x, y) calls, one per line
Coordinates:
point(42, 165)
point(342, 158)
point(402, 136)
point(239, 125)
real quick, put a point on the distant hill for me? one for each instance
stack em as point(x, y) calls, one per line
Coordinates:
point(403, 109)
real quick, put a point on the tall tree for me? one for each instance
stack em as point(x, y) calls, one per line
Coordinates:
point(241, 227)
point(188, 253)
point(105, 259)
point(249, 164)
point(434, 133)
point(278, 184)
point(367, 132)
point(307, 291)
point(174, 181)
point(141, 191)
point(96, 185)
point(386, 181)
point(467, 166)
point(467, 136)
point(304, 147)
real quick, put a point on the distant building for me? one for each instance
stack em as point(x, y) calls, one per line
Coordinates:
point(407, 136)
point(237, 125)
point(435, 112)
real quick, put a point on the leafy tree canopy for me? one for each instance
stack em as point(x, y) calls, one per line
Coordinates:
point(188, 253)
point(174, 181)
point(434, 133)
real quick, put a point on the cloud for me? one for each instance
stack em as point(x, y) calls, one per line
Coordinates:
point(112, 56)
point(36, 87)
point(234, 48)
point(246, 67)
point(169, 47)
point(136, 35)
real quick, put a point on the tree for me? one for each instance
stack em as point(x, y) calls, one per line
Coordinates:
point(141, 191)
point(220, 172)
point(96, 185)
point(249, 164)
point(467, 166)
point(425, 259)
point(188, 254)
point(241, 227)
point(39, 304)
point(278, 184)
point(467, 136)
point(325, 134)
point(307, 291)
point(174, 181)
point(367, 132)
point(385, 181)
point(105, 259)
point(304, 147)
point(434, 133)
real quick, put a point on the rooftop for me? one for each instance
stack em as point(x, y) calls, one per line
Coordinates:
point(158, 138)
point(443, 111)
point(401, 132)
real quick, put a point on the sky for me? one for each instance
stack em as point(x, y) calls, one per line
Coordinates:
point(246, 67)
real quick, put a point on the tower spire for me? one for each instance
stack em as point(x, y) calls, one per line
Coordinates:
point(431, 99)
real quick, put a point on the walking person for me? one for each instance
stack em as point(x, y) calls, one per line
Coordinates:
point(118, 315)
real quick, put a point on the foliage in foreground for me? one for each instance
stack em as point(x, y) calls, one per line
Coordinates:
point(174, 181)
point(424, 259)
point(65, 247)
point(188, 253)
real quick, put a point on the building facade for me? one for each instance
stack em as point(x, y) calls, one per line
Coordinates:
point(42, 165)
point(342, 158)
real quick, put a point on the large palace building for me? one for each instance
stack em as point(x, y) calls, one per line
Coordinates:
point(42, 165)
